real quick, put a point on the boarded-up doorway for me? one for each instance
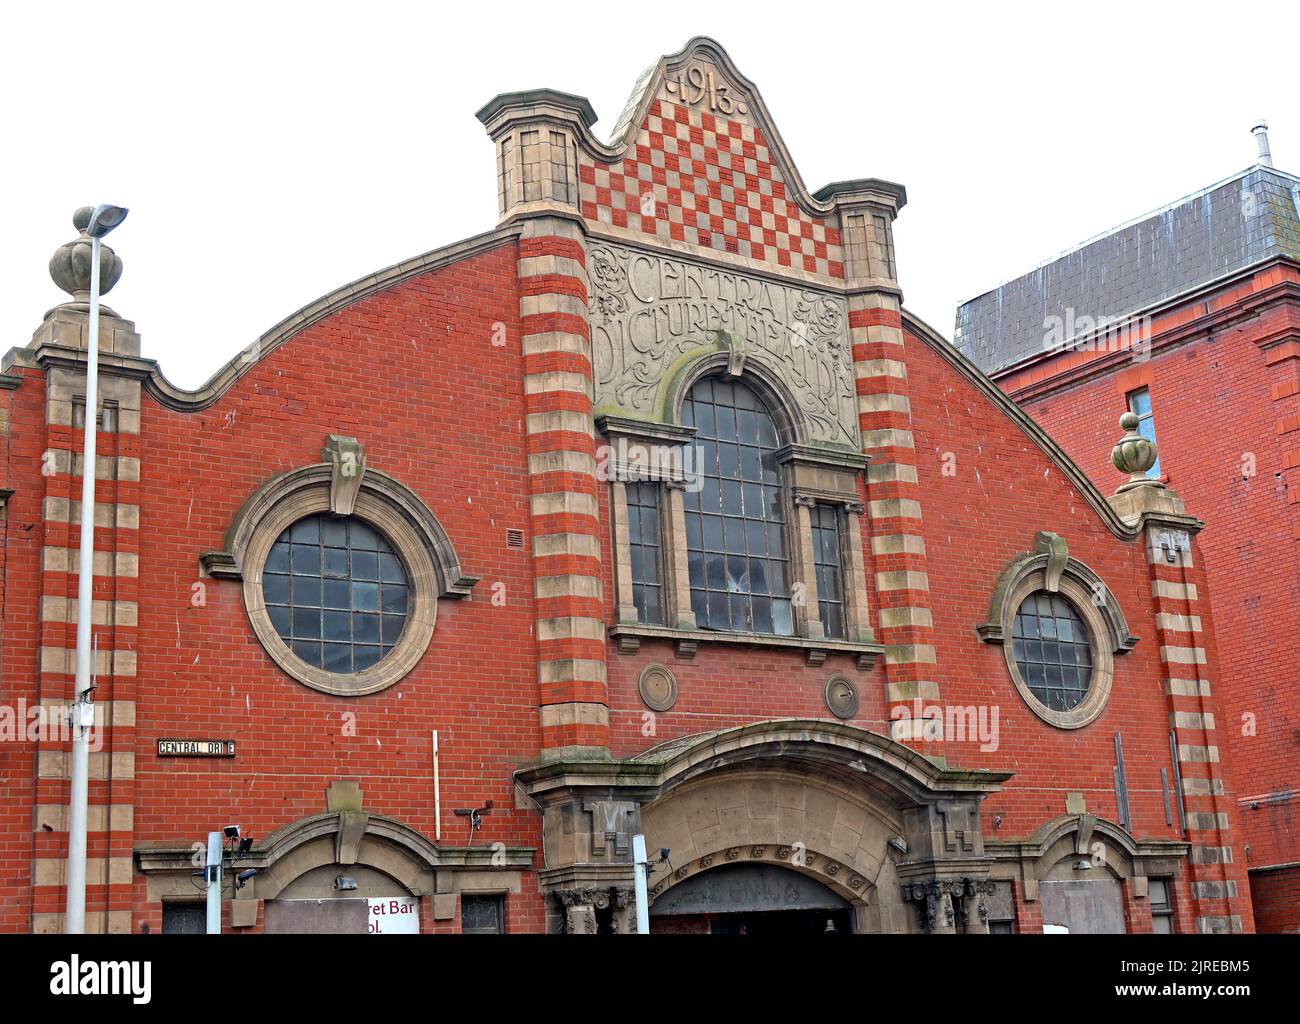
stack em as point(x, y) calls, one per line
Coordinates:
point(1091, 907)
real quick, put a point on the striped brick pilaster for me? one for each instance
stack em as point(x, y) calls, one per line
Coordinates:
point(563, 488)
point(115, 604)
point(1188, 662)
point(902, 583)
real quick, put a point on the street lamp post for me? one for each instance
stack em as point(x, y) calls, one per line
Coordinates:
point(102, 221)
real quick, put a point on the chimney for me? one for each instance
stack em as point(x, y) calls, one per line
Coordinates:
point(1260, 131)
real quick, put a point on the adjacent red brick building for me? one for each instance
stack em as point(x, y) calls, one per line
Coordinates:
point(649, 511)
point(1191, 318)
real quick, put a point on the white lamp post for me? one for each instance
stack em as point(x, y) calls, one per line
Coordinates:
point(102, 221)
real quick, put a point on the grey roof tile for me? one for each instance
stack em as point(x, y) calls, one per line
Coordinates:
point(1251, 217)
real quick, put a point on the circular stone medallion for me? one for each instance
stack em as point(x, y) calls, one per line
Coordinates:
point(657, 687)
point(841, 696)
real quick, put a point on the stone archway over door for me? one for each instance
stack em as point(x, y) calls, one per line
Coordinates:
point(779, 815)
point(312, 904)
point(739, 898)
point(874, 821)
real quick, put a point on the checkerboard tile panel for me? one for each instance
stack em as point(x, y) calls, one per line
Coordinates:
point(713, 182)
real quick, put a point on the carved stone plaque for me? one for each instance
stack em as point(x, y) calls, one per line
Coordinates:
point(651, 315)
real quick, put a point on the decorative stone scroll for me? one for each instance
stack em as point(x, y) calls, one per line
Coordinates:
point(651, 314)
point(347, 459)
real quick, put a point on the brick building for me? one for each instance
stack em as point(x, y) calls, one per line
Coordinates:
point(1190, 318)
point(648, 511)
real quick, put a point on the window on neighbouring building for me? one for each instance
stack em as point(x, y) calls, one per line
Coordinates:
point(1161, 896)
point(482, 915)
point(826, 558)
point(336, 592)
point(1139, 403)
point(644, 546)
point(735, 522)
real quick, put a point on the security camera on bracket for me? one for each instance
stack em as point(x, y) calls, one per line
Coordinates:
point(475, 815)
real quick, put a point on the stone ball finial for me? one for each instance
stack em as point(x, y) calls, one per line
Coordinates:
point(70, 264)
point(1133, 454)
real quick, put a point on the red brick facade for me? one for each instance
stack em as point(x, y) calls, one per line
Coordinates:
point(1223, 385)
point(470, 377)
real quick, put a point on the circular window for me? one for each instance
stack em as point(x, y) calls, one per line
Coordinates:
point(336, 593)
point(1053, 651)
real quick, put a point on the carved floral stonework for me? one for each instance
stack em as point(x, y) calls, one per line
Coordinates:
point(944, 901)
point(648, 312)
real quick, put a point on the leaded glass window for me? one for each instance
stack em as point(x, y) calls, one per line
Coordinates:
point(1052, 650)
point(735, 521)
point(644, 547)
point(826, 560)
point(336, 593)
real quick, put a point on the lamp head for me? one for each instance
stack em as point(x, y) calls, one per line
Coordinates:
point(105, 218)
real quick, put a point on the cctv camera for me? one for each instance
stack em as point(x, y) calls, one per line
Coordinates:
point(232, 831)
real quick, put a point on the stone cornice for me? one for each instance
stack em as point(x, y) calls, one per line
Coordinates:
point(1038, 844)
point(681, 758)
point(531, 99)
point(643, 430)
point(864, 190)
point(629, 638)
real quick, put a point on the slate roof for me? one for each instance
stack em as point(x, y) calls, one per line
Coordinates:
point(1245, 220)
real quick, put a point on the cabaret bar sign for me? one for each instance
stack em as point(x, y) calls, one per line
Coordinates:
point(196, 748)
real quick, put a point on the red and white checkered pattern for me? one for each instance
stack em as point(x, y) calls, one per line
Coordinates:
point(714, 184)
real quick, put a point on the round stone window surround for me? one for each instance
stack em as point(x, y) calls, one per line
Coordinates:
point(410, 549)
point(1103, 662)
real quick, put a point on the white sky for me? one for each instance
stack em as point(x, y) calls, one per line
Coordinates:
point(272, 152)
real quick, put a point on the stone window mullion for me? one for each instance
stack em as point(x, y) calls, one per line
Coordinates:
point(857, 614)
point(804, 569)
point(676, 570)
point(622, 553)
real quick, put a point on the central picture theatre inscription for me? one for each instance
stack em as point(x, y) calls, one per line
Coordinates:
point(648, 310)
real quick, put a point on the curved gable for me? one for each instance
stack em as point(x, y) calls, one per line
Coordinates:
point(1018, 420)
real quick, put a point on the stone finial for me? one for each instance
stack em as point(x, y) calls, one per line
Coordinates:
point(1134, 454)
point(70, 264)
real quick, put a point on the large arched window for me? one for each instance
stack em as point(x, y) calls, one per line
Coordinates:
point(735, 519)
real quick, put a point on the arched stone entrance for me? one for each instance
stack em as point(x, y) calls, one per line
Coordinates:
point(1083, 874)
point(781, 812)
point(751, 898)
point(344, 870)
point(868, 819)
